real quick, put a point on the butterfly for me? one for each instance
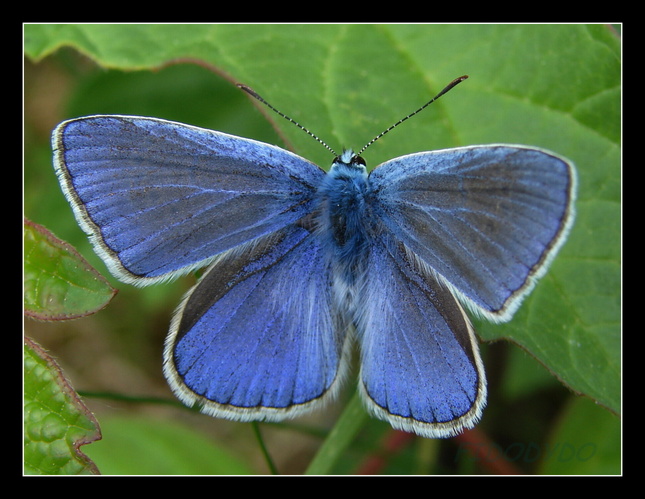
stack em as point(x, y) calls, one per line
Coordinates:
point(303, 264)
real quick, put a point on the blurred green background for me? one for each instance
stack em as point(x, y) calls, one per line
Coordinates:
point(552, 86)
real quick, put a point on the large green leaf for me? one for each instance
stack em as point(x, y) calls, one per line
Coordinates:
point(145, 446)
point(586, 442)
point(552, 86)
point(56, 421)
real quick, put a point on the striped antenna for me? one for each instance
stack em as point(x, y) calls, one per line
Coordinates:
point(452, 84)
point(257, 96)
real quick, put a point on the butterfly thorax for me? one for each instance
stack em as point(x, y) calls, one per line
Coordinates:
point(342, 207)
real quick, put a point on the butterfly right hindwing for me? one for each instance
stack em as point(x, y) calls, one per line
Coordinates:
point(420, 364)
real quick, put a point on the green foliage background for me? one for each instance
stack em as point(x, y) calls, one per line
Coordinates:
point(552, 86)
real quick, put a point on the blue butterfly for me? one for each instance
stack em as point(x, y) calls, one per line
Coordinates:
point(302, 263)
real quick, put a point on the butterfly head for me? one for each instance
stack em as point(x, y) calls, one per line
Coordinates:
point(349, 160)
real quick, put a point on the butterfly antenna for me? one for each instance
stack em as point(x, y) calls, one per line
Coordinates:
point(449, 87)
point(257, 96)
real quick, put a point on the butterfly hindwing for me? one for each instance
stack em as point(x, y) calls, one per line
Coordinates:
point(257, 337)
point(160, 198)
point(488, 219)
point(420, 364)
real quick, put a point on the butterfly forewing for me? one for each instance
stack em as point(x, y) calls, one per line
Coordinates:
point(487, 219)
point(159, 197)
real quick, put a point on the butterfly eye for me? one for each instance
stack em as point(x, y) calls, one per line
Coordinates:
point(358, 160)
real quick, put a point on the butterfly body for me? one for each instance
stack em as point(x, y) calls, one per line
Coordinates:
point(343, 217)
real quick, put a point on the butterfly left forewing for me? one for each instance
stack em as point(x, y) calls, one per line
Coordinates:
point(160, 198)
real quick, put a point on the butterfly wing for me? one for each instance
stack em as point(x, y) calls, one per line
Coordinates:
point(160, 198)
point(487, 219)
point(420, 364)
point(257, 337)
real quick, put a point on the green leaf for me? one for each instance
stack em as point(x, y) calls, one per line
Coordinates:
point(586, 442)
point(146, 446)
point(58, 282)
point(551, 86)
point(56, 422)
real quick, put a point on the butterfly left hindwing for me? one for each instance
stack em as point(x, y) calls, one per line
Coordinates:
point(257, 337)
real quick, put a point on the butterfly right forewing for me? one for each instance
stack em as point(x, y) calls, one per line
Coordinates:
point(487, 219)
